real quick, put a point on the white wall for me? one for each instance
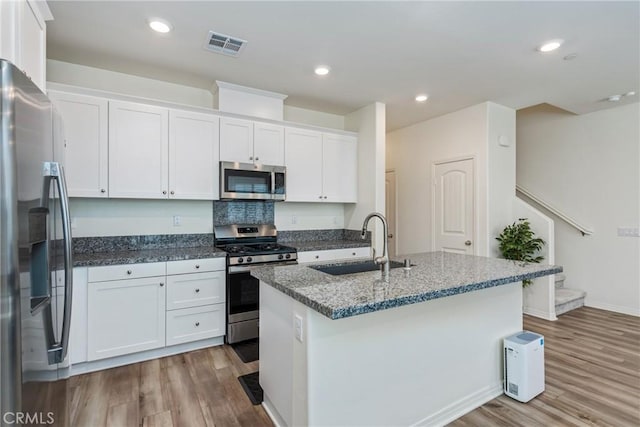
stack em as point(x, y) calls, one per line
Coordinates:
point(501, 172)
point(369, 122)
point(309, 216)
point(127, 84)
point(539, 297)
point(412, 150)
point(126, 217)
point(588, 167)
point(311, 117)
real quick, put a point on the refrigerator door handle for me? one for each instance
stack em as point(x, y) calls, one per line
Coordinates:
point(57, 350)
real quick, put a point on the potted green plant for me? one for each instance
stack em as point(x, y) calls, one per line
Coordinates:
point(518, 242)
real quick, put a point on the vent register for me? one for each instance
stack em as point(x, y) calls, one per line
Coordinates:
point(224, 44)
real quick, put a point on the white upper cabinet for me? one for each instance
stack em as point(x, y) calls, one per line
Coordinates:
point(303, 154)
point(193, 155)
point(268, 144)
point(339, 168)
point(236, 140)
point(23, 35)
point(138, 150)
point(85, 151)
point(246, 141)
point(321, 167)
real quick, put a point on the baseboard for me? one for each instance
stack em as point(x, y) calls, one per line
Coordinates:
point(112, 362)
point(610, 307)
point(539, 313)
point(272, 413)
point(462, 406)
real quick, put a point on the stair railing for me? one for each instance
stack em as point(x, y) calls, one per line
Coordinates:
point(572, 222)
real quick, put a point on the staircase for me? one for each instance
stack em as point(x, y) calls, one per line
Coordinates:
point(567, 299)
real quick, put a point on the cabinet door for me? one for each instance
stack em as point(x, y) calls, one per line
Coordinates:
point(268, 144)
point(236, 140)
point(125, 316)
point(32, 40)
point(303, 157)
point(138, 150)
point(195, 289)
point(85, 152)
point(339, 168)
point(193, 155)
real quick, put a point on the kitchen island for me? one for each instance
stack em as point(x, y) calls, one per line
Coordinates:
point(421, 349)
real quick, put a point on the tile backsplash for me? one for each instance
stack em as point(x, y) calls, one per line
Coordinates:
point(243, 212)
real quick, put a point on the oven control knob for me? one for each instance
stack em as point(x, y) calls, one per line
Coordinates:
point(249, 259)
point(287, 256)
point(240, 260)
point(280, 256)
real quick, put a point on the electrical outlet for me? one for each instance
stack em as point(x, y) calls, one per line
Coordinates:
point(294, 219)
point(628, 232)
point(177, 220)
point(297, 325)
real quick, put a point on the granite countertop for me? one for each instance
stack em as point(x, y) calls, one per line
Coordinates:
point(145, 255)
point(434, 275)
point(323, 245)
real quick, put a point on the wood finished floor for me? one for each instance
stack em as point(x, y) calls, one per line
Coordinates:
point(592, 378)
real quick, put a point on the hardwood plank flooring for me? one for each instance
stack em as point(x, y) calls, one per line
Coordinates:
point(592, 379)
point(592, 364)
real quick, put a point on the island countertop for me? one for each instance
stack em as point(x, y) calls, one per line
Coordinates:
point(433, 275)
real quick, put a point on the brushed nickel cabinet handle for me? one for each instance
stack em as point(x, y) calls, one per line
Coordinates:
point(164, 191)
point(129, 271)
point(173, 192)
point(102, 190)
point(161, 284)
point(197, 266)
point(468, 243)
point(197, 324)
point(197, 291)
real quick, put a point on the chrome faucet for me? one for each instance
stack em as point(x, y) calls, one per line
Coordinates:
point(383, 260)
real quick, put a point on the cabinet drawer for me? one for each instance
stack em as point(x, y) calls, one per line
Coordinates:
point(126, 271)
point(192, 290)
point(334, 254)
point(195, 265)
point(192, 324)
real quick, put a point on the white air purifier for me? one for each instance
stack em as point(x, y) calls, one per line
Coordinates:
point(523, 365)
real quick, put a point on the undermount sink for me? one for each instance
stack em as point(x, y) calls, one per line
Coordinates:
point(352, 267)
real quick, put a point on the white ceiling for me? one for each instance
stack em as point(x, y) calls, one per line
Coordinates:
point(460, 53)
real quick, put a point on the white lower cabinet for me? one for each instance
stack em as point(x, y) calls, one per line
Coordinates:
point(334, 254)
point(137, 307)
point(191, 324)
point(125, 316)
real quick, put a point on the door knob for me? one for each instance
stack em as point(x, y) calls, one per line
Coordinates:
point(390, 236)
point(468, 243)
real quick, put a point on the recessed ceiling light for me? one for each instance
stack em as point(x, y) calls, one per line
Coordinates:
point(550, 46)
point(422, 98)
point(614, 98)
point(630, 93)
point(160, 25)
point(322, 70)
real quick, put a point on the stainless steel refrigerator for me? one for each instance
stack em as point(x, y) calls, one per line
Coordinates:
point(35, 258)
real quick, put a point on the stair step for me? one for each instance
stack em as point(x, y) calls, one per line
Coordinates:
point(559, 279)
point(569, 299)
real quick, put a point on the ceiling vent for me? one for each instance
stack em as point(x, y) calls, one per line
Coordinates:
point(222, 43)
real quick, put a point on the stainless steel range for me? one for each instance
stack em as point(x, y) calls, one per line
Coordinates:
point(248, 245)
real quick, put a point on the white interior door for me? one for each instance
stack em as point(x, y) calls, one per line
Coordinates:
point(453, 207)
point(390, 209)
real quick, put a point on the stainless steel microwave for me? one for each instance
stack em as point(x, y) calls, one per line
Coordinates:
point(252, 182)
